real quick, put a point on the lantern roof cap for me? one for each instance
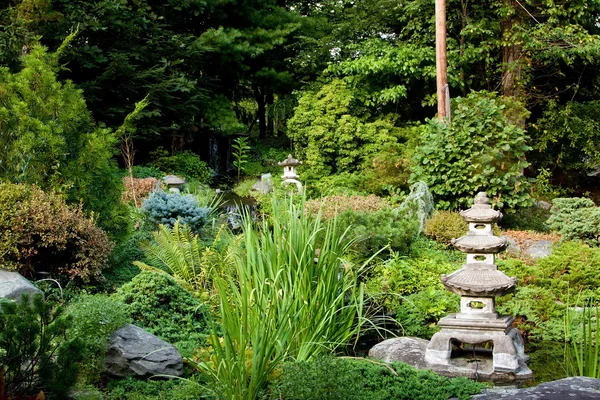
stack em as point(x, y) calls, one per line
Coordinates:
point(481, 211)
point(289, 162)
point(173, 180)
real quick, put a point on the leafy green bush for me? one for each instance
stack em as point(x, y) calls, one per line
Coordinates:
point(373, 231)
point(526, 219)
point(333, 133)
point(482, 150)
point(147, 171)
point(157, 303)
point(575, 218)
point(419, 312)
point(328, 378)
point(37, 355)
point(39, 232)
point(135, 389)
point(166, 208)
point(95, 318)
point(49, 138)
point(187, 164)
point(444, 226)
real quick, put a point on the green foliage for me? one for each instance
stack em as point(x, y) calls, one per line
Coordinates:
point(157, 303)
point(419, 312)
point(49, 138)
point(121, 269)
point(333, 134)
point(167, 208)
point(39, 232)
point(584, 354)
point(444, 226)
point(37, 354)
point(482, 150)
point(373, 231)
point(147, 171)
point(187, 164)
point(575, 218)
point(240, 154)
point(280, 303)
point(328, 378)
point(95, 318)
point(180, 252)
point(526, 219)
point(567, 136)
point(135, 389)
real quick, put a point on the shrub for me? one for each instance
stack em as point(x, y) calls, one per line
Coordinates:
point(39, 232)
point(575, 218)
point(482, 150)
point(374, 231)
point(331, 206)
point(328, 378)
point(138, 189)
point(147, 171)
point(95, 318)
point(419, 312)
point(166, 208)
point(135, 389)
point(187, 164)
point(526, 219)
point(37, 355)
point(157, 303)
point(444, 226)
point(122, 269)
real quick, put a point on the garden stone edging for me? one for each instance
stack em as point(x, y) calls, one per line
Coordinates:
point(13, 286)
point(133, 351)
point(579, 387)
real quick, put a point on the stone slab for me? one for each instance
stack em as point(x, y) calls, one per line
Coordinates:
point(576, 388)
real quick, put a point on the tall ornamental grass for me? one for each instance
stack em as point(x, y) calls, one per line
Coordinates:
point(582, 347)
point(285, 300)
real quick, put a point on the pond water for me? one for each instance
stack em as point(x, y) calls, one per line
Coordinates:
point(547, 361)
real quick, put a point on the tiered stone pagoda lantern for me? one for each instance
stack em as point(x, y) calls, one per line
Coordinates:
point(289, 171)
point(478, 283)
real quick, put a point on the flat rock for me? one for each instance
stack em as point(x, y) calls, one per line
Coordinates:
point(576, 388)
point(13, 286)
point(539, 249)
point(133, 351)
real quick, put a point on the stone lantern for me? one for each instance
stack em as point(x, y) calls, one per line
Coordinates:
point(478, 283)
point(289, 171)
point(174, 183)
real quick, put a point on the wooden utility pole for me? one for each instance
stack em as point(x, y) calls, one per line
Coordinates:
point(443, 91)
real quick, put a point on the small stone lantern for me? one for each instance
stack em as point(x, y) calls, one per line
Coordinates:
point(478, 283)
point(174, 183)
point(289, 171)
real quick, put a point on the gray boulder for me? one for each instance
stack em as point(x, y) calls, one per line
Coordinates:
point(263, 187)
point(409, 350)
point(133, 351)
point(539, 249)
point(578, 387)
point(13, 286)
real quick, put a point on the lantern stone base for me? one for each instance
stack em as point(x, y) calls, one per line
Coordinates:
point(507, 352)
point(412, 351)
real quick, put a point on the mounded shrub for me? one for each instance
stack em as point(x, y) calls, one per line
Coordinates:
point(187, 164)
point(157, 303)
point(444, 226)
point(575, 218)
point(166, 208)
point(39, 232)
point(328, 378)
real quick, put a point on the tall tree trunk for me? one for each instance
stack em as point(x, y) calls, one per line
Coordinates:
point(261, 112)
point(443, 91)
point(270, 128)
point(512, 60)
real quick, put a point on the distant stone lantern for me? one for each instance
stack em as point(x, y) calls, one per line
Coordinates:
point(289, 171)
point(174, 183)
point(478, 283)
